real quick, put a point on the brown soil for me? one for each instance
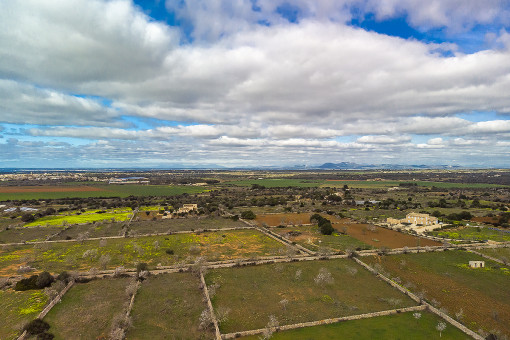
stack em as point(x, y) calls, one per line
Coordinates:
point(273, 220)
point(380, 237)
point(485, 219)
point(11, 190)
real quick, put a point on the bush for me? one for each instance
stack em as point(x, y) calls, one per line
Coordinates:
point(142, 266)
point(27, 218)
point(44, 279)
point(37, 326)
point(248, 215)
point(26, 284)
point(170, 251)
point(324, 224)
point(45, 336)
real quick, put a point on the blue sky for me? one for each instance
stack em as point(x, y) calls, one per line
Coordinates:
point(93, 83)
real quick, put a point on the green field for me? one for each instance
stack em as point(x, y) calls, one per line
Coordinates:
point(276, 183)
point(17, 309)
point(448, 282)
point(503, 254)
point(473, 234)
point(87, 309)
point(82, 256)
point(396, 327)
point(86, 217)
point(27, 234)
point(252, 294)
point(388, 184)
point(168, 306)
point(112, 190)
point(180, 224)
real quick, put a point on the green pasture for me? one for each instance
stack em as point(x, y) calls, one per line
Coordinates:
point(87, 217)
point(252, 294)
point(182, 224)
point(402, 326)
point(27, 234)
point(388, 184)
point(87, 309)
point(168, 306)
point(59, 256)
point(112, 190)
point(447, 281)
point(503, 254)
point(17, 309)
point(276, 183)
point(473, 234)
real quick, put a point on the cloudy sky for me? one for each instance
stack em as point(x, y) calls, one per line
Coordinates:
point(92, 83)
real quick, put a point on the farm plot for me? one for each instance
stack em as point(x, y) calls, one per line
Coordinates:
point(90, 230)
point(55, 192)
point(381, 237)
point(503, 254)
point(27, 234)
point(180, 224)
point(87, 309)
point(87, 217)
point(386, 184)
point(311, 238)
point(168, 306)
point(17, 309)
point(297, 292)
point(475, 234)
point(276, 183)
point(274, 220)
point(153, 250)
point(480, 296)
point(399, 327)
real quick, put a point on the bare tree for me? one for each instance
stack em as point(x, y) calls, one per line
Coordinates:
point(205, 320)
point(104, 260)
point(284, 303)
point(441, 326)
point(298, 274)
point(417, 316)
point(222, 314)
point(324, 277)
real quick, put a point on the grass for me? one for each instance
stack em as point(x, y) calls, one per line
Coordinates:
point(87, 217)
point(482, 294)
point(252, 294)
point(27, 234)
point(388, 184)
point(59, 256)
point(474, 233)
point(17, 309)
point(168, 306)
point(104, 191)
point(502, 254)
point(180, 224)
point(312, 239)
point(92, 230)
point(277, 183)
point(397, 327)
point(87, 309)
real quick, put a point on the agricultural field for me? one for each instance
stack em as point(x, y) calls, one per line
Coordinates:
point(367, 184)
point(90, 230)
point(480, 297)
point(111, 253)
point(182, 224)
point(276, 182)
point(17, 309)
point(100, 190)
point(402, 326)
point(273, 220)
point(380, 237)
point(311, 238)
point(27, 234)
point(503, 254)
point(82, 218)
point(168, 306)
point(87, 309)
point(474, 234)
point(298, 292)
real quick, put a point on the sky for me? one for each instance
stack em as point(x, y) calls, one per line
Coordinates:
point(254, 83)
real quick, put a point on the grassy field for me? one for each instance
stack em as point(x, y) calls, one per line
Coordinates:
point(168, 306)
point(82, 256)
point(17, 309)
point(396, 327)
point(92, 230)
point(276, 182)
point(474, 234)
point(311, 238)
point(87, 309)
point(502, 254)
point(252, 294)
point(87, 217)
point(389, 184)
point(482, 294)
point(99, 190)
point(180, 224)
point(27, 234)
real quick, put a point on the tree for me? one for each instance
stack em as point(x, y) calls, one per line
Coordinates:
point(248, 215)
point(27, 218)
point(441, 326)
point(417, 316)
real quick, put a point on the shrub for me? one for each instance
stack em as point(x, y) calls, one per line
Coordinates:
point(44, 280)
point(169, 251)
point(45, 336)
point(248, 215)
point(37, 326)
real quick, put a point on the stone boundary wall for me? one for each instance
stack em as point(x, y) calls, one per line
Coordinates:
point(46, 309)
point(429, 307)
point(210, 307)
point(324, 322)
point(486, 256)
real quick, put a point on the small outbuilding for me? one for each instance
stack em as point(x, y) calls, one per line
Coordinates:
point(477, 264)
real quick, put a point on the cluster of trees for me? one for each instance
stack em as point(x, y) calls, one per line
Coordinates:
point(40, 281)
point(324, 224)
